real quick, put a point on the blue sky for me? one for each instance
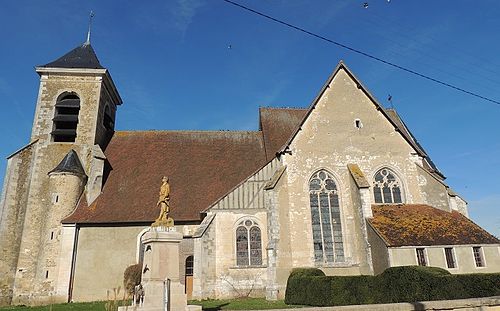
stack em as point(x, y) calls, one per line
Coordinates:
point(171, 63)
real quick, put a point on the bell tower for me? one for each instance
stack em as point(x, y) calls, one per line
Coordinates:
point(77, 100)
point(73, 123)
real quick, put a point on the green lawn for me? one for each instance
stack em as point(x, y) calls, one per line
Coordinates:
point(241, 304)
point(209, 305)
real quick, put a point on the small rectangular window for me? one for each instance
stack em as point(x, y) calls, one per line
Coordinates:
point(421, 257)
point(55, 198)
point(478, 256)
point(450, 257)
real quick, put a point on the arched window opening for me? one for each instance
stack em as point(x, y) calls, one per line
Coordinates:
point(326, 222)
point(66, 118)
point(108, 121)
point(248, 244)
point(188, 277)
point(387, 187)
point(189, 265)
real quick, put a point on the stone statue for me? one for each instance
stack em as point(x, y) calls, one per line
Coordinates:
point(164, 219)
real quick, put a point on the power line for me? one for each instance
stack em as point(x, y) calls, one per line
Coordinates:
point(362, 53)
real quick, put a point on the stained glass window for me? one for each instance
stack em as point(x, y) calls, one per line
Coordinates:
point(248, 244)
point(387, 187)
point(325, 217)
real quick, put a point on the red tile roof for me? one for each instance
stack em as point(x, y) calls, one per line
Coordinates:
point(277, 125)
point(202, 166)
point(423, 225)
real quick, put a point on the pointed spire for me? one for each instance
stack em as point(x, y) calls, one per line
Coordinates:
point(80, 57)
point(91, 16)
point(70, 164)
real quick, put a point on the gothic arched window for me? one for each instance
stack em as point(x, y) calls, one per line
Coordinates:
point(326, 222)
point(66, 118)
point(387, 187)
point(248, 244)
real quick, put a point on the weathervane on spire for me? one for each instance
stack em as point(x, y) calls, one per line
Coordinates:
point(91, 16)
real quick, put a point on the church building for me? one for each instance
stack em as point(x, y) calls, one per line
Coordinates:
point(341, 185)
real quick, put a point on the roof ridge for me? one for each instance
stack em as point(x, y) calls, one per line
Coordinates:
point(184, 131)
point(364, 89)
point(284, 108)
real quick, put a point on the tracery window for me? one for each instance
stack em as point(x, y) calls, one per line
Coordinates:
point(326, 222)
point(387, 187)
point(248, 244)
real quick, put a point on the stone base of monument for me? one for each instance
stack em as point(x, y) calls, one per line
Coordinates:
point(160, 278)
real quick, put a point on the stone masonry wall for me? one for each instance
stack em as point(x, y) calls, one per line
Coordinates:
point(31, 265)
point(330, 140)
point(205, 264)
point(13, 210)
point(434, 192)
point(32, 282)
point(103, 254)
point(233, 280)
point(65, 191)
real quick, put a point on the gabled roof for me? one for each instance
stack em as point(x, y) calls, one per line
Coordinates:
point(277, 125)
point(202, 166)
point(379, 107)
point(428, 164)
point(82, 56)
point(70, 164)
point(424, 225)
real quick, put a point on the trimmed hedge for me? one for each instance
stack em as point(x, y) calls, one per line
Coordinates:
point(310, 286)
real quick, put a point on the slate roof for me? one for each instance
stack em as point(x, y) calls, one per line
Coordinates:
point(82, 56)
point(70, 164)
point(424, 225)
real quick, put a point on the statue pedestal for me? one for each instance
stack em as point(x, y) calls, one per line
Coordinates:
point(160, 277)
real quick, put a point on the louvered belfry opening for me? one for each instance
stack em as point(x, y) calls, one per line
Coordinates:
point(66, 118)
point(109, 124)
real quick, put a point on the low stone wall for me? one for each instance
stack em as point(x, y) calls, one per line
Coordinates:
point(482, 304)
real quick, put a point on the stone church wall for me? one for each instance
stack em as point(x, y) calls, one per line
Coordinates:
point(435, 257)
point(205, 259)
point(40, 202)
point(233, 280)
point(102, 255)
point(33, 263)
point(284, 248)
point(380, 254)
point(324, 144)
point(434, 192)
point(12, 213)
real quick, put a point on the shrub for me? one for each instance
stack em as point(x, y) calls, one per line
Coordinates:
point(294, 291)
point(132, 277)
point(301, 272)
point(397, 284)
